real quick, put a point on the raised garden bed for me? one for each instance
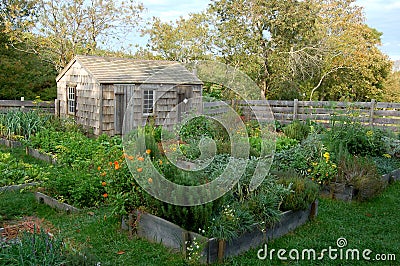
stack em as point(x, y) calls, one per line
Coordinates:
point(41, 156)
point(156, 229)
point(17, 187)
point(10, 143)
point(344, 192)
point(52, 202)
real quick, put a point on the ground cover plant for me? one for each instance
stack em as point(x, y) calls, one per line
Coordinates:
point(17, 168)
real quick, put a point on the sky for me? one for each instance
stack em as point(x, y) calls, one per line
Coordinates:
point(383, 15)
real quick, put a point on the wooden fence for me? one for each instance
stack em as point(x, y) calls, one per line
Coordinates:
point(6, 105)
point(377, 114)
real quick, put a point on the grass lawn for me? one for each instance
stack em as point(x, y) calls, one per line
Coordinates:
point(370, 225)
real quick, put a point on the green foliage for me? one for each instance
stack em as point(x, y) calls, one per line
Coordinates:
point(355, 139)
point(15, 124)
point(24, 75)
point(299, 157)
point(37, 248)
point(297, 130)
point(15, 171)
point(284, 143)
point(303, 191)
point(362, 174)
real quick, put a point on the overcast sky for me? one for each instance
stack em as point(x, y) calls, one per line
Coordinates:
point(383, 15)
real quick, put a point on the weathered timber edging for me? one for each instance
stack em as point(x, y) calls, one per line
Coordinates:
point(156, 229)
point(52, 202)
point(10, 143)
point(41, 156)
point(17, 187)
point(341, 191)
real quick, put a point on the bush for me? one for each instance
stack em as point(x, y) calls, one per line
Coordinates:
point(355, 139)
point(362, 174)
point(304, 191)
point(297, 130)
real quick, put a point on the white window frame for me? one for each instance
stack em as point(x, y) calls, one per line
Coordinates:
point(71, 99)
point(148, 102)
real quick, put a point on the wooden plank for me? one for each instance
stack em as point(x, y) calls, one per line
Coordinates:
point(389, 121)
point(388, 105)
point(386, 113)
point(214, 104)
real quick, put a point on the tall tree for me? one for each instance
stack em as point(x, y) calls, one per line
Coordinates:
point(58, 30)
point(353, 67)
point(183, 40)
point(259, 37)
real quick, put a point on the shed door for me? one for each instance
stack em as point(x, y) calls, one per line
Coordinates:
point(122, 94)
point(185, 92)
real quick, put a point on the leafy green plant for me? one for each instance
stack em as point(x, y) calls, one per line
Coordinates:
point(15, 171)
point(297, 130)
point(284, 143)
point(37, 248)
point(362, 174)
point(303, 191)
point(18, 124)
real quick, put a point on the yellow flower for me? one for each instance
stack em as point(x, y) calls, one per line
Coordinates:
point(327, 156)
point(387, 156)
point(150, 180)
point(148, 151)
point(369, 133)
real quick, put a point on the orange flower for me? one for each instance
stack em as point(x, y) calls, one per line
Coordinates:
point(150, 180)
point(110, 163)
point(140, 169)
point(103, 183)
point(130, 157)
point(105, 195)
point(160, 162)
point(141, 159)
point(116, 165)
point(148, 151)
point(99, 168)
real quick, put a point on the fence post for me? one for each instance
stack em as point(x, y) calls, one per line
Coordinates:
point(22, 102)
point(295, 105)
point(371, 112)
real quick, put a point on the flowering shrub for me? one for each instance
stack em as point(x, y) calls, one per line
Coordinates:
point(324, 170)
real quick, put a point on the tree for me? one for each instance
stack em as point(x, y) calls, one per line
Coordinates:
point(259, 37)
point(352, 66)
point(392, 87)
point(183, 40)
point(58, 30)
point(22, 74)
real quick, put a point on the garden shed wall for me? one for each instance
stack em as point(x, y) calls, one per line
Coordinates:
point(107, 87)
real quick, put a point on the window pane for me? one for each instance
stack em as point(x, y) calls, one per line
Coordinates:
point(148, 101)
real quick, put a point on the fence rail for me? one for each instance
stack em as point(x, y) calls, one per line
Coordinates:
point(377, 114)
point(6, 105)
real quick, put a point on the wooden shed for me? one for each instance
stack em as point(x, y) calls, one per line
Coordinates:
point(96, 92)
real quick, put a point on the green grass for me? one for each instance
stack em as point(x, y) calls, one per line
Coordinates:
point(373, 225)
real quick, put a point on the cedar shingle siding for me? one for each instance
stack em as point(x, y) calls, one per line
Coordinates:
point(106, 87)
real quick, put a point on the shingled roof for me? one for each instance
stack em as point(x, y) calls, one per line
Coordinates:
point(111, 70)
